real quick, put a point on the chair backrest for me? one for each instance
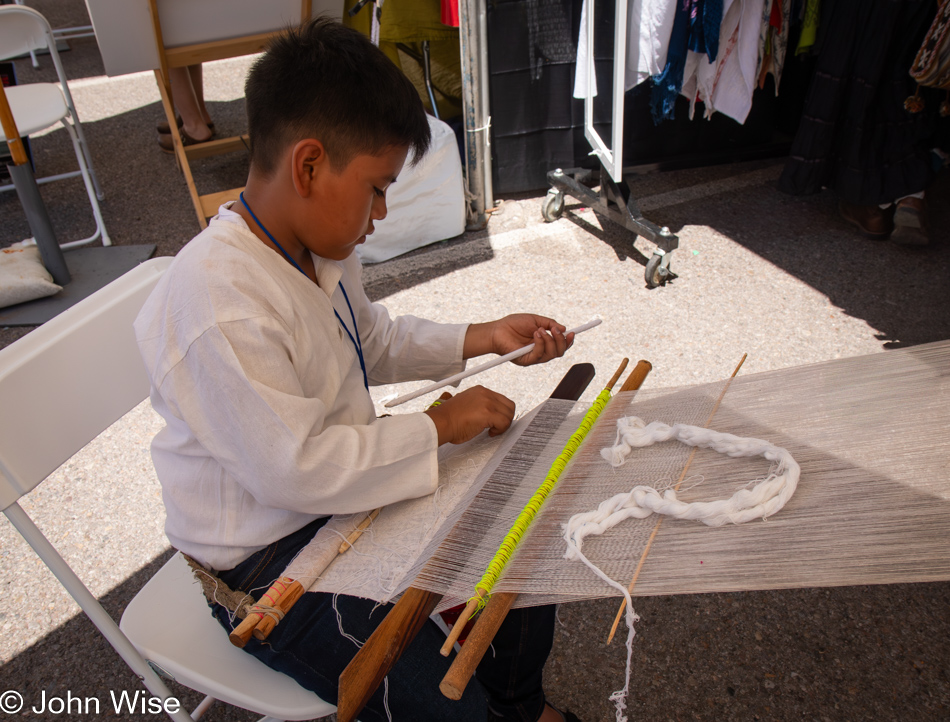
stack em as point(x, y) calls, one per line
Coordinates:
point(65, 382)
point(23, 30)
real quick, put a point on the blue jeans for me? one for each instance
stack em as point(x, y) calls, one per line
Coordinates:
point(308, 646)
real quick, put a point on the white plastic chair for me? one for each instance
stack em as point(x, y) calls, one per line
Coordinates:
point(60, 386)
point(37, 106)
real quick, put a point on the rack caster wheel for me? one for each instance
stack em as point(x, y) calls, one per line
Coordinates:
point(552, 206)
point(657, 273)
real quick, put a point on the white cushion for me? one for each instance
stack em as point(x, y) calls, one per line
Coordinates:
point(23, 277)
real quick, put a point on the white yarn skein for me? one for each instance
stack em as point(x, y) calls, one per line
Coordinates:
point(761, 501)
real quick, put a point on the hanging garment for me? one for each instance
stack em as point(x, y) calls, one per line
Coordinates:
point(667, 84)
point(773, 42)
point(549, 34)
point(649, 25)
point(855, 136)
point(726, 85)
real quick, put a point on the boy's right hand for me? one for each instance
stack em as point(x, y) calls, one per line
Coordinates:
point(464, 416)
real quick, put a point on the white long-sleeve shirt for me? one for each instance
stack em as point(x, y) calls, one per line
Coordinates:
point(268, 422)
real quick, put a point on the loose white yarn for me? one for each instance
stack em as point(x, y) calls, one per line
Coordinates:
point(761, 501)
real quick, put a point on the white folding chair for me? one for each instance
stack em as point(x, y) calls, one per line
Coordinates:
point(37, 106)
point(80, 31)
point(61, 385)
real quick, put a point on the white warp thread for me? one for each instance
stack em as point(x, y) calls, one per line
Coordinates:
point(761, 501)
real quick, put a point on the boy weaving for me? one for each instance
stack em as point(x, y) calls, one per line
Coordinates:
point(261, 344)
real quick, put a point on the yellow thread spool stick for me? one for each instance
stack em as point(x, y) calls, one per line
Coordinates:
point(527, 515)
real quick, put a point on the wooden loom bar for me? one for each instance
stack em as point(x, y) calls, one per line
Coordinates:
point(383, 648)
point(281, 596)
point(497, 608)
point(358, 532)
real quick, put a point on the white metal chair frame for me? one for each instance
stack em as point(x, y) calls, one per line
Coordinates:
point(62, 385)
point(22, 30)
point(80, 31)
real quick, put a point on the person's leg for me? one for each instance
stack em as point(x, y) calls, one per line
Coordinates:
point(197, 83)
point(322, 632)
point(320, 635)
point(910, 221)
point(511, 670)
point(186, 103)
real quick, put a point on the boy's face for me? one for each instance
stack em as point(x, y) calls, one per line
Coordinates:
point(344, 204)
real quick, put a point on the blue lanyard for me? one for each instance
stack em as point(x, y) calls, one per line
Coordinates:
point(355, 340)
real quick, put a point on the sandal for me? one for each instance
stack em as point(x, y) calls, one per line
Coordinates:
point(167, 143)
point(910, 222)
point(163, 129)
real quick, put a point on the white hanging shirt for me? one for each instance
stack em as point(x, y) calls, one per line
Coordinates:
point(726, 86)
point(268, 423)
point(649, 25)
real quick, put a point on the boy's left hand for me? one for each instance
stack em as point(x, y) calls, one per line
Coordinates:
point(518, 330)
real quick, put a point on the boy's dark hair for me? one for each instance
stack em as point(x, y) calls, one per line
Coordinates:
point(326, 81)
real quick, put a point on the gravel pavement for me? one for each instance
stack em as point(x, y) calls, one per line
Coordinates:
point(781, 278)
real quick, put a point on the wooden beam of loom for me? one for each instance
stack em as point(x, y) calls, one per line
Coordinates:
point(376, 657)
point(493, 615)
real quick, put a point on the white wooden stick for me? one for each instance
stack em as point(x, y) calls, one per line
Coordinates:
point(482, 367)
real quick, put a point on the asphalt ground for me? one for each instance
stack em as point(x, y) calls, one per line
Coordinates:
point(781, 278)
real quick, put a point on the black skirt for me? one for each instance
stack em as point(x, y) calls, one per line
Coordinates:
point(855, 135)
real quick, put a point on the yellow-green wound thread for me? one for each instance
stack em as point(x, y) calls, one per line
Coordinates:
point(527, 514)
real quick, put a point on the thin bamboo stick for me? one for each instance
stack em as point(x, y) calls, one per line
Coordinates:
point(646, 550)
point(358, 532)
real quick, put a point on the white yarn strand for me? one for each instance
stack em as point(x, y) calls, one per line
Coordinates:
point(761, 501)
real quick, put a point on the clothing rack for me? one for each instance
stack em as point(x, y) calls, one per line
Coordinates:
point(614, 199)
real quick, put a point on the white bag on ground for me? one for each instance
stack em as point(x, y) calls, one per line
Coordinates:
point(22, 275)
point(426, 204)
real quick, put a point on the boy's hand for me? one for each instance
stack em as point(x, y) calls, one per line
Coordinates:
point(516, 331)
point(464, 416)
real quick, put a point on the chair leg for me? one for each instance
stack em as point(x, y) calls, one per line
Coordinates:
point(199, 711)
point(90, 605)
point(87, 154)
point(90, 191)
